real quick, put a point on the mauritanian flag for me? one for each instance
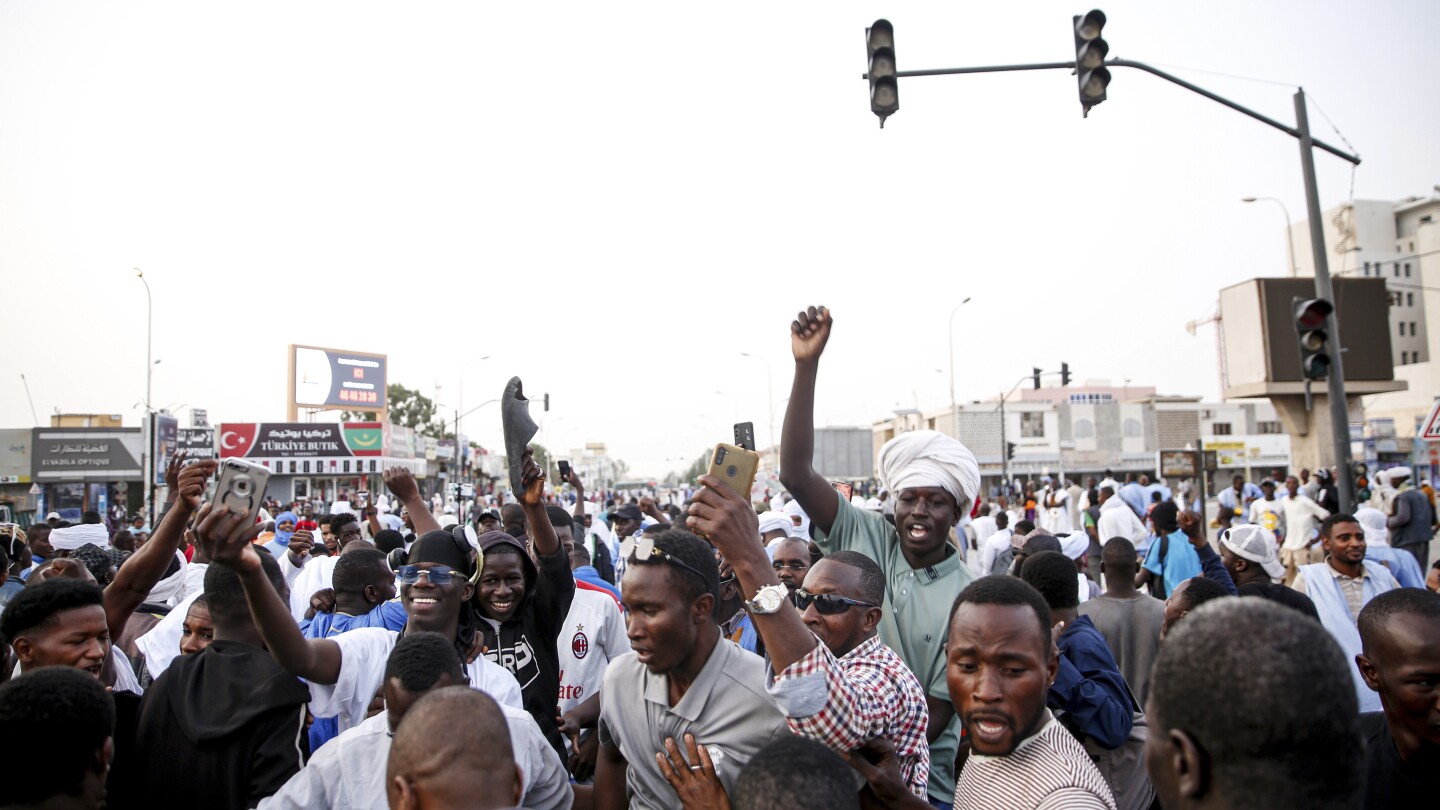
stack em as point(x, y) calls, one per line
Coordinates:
point(364, 438)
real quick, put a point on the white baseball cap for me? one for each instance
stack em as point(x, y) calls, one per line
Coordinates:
point(1255, 544)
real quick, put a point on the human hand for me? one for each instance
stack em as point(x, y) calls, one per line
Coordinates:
point(696, 784)
point(583, 753)
point(809, 332)
point(573, 479)
point(301, 544)
point(1194, 527)
point(723, 517)
point(1055, 638)
point(876, 761)
point(226, 537)
point(323, 600)
point(172, 470)
point(189, 486)
point(401, 483)
point(532, 480)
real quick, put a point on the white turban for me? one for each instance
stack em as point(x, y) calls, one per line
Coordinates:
point(928, 458)
point(1395, 473)
point(793, 510)
point(776, 521)
point(73, 537)
point(1372, 521)
point(172, 588)
point(1075, 544)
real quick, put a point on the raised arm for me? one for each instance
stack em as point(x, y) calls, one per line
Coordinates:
point(532, 500)
point(148, 564)
point(724, 517)
point(574, 481)
point(401, 483)
point(808, 334)
point(227, 540)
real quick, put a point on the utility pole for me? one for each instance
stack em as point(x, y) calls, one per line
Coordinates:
point(1339, 412)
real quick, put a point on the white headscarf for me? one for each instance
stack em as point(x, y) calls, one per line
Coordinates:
point(794, 510)
point(1372, 521)
point(776, 521)
point(928, 458)
point(73, 537)
point(171, 589)
point(1075, 544)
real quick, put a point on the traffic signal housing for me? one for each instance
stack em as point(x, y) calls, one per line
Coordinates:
point(1090, 52)
point(547, 403)
point(880, 69)
point(1064, 373)
point(1314, 340)
point(1035, 377)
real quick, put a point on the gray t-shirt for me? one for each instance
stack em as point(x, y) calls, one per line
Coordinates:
point(1131, 628)
point(727, 709)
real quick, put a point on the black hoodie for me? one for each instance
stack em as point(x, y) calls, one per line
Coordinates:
point(525, 644)
point(221, 729)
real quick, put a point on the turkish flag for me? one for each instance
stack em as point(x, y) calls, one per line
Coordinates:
point(237, 439)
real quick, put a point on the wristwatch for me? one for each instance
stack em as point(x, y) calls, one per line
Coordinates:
point(767, 600)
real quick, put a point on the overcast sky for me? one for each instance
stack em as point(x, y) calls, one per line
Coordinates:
point(615, 200)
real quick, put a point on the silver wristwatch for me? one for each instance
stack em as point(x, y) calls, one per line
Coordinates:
point(767, 600)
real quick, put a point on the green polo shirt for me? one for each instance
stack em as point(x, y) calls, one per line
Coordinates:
point(916, 611)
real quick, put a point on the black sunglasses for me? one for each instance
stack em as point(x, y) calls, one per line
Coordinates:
point(827, 604)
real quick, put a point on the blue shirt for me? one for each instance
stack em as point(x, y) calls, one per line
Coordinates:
point(1181, 561)
point(1135, 495)
point(1089, 688)
point(590, 576)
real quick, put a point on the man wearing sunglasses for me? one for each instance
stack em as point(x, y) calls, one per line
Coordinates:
point(834, 679)
point(935, 480)
point(345, 672)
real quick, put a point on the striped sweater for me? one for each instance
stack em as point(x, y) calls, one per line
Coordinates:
point(1048, 770)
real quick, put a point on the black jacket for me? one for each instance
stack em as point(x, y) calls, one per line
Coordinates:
point(221, 729)
point(525, 644)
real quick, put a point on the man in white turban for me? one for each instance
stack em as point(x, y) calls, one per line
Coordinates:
point(933, 480)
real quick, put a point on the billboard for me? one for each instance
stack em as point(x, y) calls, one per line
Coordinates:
point(197, 443)
point(74, 454)
point(327, 378)
point(266, 440)
point(164, 432)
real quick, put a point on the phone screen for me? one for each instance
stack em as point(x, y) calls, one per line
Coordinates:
point(846, 491)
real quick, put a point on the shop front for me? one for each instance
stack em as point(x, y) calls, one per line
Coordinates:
point(80, 469)
point(314, 463)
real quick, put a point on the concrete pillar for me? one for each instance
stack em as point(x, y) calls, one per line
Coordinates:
point(1312, 444)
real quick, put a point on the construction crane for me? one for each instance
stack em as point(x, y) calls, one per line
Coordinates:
point(1215, 318)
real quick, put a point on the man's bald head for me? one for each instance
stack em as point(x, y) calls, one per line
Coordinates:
point(452, 749)
point(1119, 556)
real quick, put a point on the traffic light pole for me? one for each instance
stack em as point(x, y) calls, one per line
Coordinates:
point(1339, 413)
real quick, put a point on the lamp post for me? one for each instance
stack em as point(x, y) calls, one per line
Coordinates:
point(954, 413)
point(149, 429)
point(1289, 233)
point(460, 411)
point(769, 396)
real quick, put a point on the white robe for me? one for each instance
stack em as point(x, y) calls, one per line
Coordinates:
point(349, 771)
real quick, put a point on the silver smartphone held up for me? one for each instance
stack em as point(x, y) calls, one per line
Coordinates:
point(241, 486)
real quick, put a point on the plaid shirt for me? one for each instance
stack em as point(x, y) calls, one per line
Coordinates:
point(866, 694)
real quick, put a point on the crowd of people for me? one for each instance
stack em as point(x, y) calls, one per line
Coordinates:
point(932, 645)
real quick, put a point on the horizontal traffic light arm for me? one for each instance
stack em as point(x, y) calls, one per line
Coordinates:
point(1130, 63)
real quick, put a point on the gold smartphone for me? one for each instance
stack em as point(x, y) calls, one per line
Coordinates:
point(736, 466)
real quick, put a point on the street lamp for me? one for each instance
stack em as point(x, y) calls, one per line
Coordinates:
point(1289, 233)
point(769, 395)
point(149, 366)
point(954, 414)
point(149, 429)
point(460, 411)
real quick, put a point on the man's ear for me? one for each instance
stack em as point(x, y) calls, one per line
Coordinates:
point(403, 794)
point(24, 650)
point(1368, 671)
point(104, 755)
point(519, 783)
point(1192, 778)
point(872, 619)
point(702, 608)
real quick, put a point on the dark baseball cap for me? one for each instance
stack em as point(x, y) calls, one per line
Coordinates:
point(627, 512)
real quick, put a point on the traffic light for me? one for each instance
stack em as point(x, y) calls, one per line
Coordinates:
point(880, 55)
point(1035, 376)
point(1009, 451)
point(1310, 318)
point(1090, 51)
point(1064, 373)
point(547, 403)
